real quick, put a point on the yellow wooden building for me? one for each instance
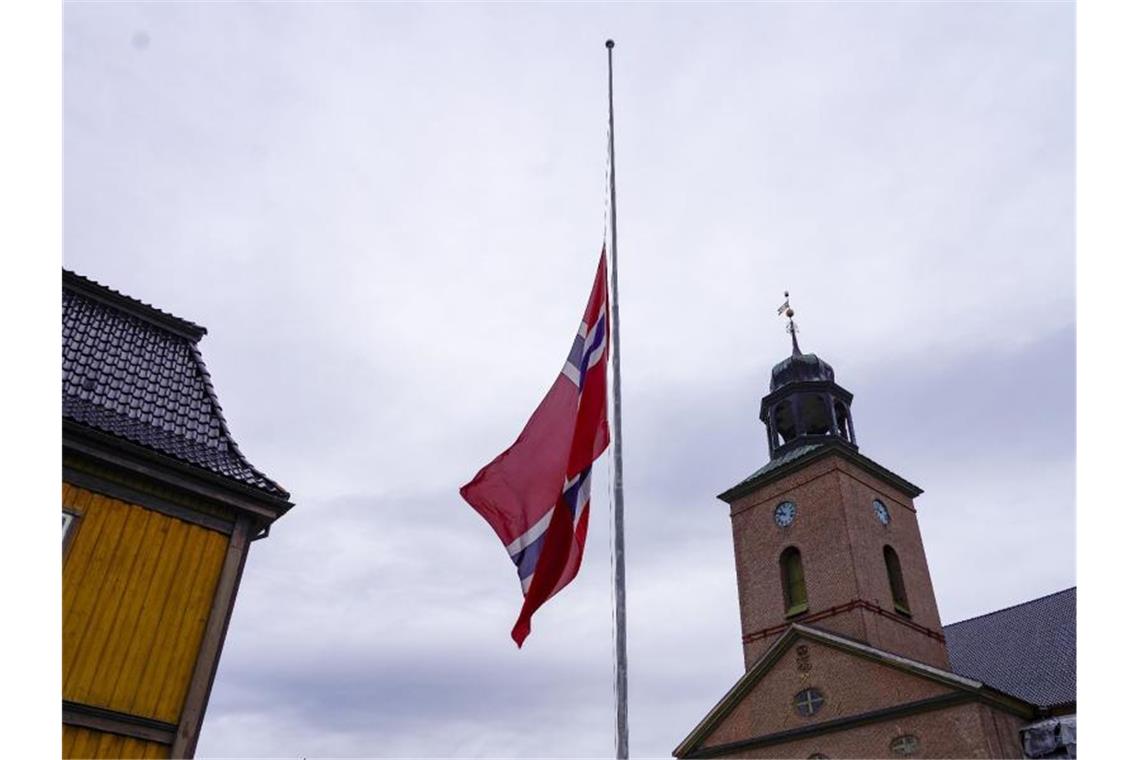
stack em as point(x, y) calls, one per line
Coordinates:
point(159, 510)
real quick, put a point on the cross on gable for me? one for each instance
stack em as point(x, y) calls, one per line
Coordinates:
point(905, 745)
point(809, 701)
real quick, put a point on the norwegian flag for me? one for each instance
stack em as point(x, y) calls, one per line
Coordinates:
point(536, 494)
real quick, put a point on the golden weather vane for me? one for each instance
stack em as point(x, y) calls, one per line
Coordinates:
point(787, 311)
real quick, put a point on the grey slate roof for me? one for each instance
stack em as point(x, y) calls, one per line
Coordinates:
point(135, 372)
point(1028, 651)
point(806, 452)
point(788, 456)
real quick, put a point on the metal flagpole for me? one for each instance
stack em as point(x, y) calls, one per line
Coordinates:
point(619, 523)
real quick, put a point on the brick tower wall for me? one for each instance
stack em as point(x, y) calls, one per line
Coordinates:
point(841, 546)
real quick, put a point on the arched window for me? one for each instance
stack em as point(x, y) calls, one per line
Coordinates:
point(792, 576)
point(894, 574)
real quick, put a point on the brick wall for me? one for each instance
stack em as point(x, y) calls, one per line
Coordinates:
point(961, 731)
point(758, 542)
point(868, 537)
point(850, 685)
point(841, 546)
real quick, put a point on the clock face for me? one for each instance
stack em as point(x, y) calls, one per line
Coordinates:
point(881, 512)
point(784, 514)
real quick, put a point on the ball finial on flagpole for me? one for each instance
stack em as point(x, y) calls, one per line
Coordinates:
point(610, 44)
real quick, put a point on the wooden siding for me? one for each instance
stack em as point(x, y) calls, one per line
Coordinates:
point(138, 586)
point(81, 743)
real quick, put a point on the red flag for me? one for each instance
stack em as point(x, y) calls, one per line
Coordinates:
point(536, 494)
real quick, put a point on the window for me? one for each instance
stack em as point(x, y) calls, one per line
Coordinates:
point(808, 702)
point(792, 576)
point(894, 575)
point(905, 745)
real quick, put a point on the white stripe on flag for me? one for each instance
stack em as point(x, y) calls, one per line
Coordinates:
point(572, 374)
point(583, 499)
point(535, 531)
point(532, 533)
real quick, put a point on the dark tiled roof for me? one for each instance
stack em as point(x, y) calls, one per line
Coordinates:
point(135, 372)
point(804, 453)
point(1028, 651)
point(788, 456)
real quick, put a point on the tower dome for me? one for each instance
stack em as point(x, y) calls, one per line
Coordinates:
point(804, 404)
point(800, 368)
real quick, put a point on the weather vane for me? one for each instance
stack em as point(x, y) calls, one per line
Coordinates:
point(787, 310)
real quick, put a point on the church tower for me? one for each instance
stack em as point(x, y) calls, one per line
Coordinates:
point(823, 535)
point(844, 651)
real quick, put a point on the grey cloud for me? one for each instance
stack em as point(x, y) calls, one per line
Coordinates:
point(388, 216)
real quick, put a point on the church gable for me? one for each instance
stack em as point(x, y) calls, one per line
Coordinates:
point(811, 679)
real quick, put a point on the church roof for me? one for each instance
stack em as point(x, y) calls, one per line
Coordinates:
point(777, 463)
point(1028, 651)
point(135, 372)
point(795, 458)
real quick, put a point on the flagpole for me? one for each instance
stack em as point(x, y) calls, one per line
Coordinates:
point(619, 521)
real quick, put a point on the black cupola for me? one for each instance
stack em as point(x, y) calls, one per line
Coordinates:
point(805, 405)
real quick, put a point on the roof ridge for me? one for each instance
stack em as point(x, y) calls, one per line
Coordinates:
point(133, 306)
point(1010, 607)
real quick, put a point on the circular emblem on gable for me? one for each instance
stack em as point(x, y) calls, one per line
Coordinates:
point(808, 702)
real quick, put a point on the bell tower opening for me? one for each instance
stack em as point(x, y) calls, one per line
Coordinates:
point(817, 415)
point(843, 422)
point(785, 423)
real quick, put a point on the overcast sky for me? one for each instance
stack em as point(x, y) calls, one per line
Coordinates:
point(388, 217)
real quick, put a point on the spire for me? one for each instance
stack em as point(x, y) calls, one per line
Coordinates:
point(805, 405)
point(789, 312)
